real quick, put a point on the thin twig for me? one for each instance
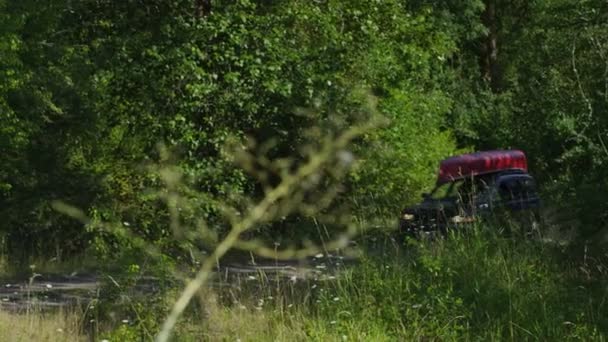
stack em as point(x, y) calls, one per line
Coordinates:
point(258, 213)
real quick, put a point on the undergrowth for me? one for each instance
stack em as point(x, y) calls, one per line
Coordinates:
point(475, 286)
point(479, 285)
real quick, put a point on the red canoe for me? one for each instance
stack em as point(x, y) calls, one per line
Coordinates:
point(479, 163)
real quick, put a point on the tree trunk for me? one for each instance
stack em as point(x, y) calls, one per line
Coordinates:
point(489, 51)
point(202, 8)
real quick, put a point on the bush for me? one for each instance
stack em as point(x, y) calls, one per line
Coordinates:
point(477, 286)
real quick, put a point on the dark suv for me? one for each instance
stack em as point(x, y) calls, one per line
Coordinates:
point(491, 184)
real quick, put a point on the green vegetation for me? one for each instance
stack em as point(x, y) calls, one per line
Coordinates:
point(478, 286)
point(154, 137)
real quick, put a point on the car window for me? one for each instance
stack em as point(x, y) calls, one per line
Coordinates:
point(464, 189)
point(517, 188)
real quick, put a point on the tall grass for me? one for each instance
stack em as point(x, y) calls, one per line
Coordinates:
point(40, 326)
point(474, 286)
point(477, 285)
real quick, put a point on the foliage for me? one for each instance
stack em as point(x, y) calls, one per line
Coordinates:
point(551, 102)
point(92, 88)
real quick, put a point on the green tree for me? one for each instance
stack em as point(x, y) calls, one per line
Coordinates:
point(95, 86)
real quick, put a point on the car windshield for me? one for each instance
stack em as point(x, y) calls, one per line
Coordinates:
point(463, 188)
point(446, 190)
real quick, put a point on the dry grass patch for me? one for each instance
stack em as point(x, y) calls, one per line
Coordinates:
point(244, 322)
point(39, 326)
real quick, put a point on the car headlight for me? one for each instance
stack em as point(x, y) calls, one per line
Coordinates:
point(462, 219)
point(408, 217)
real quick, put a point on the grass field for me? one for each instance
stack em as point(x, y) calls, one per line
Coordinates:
point(478, 286)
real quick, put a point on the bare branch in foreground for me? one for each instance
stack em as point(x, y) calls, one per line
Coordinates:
point(289, 184)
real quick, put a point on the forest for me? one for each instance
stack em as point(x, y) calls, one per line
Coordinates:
point(156, 141)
